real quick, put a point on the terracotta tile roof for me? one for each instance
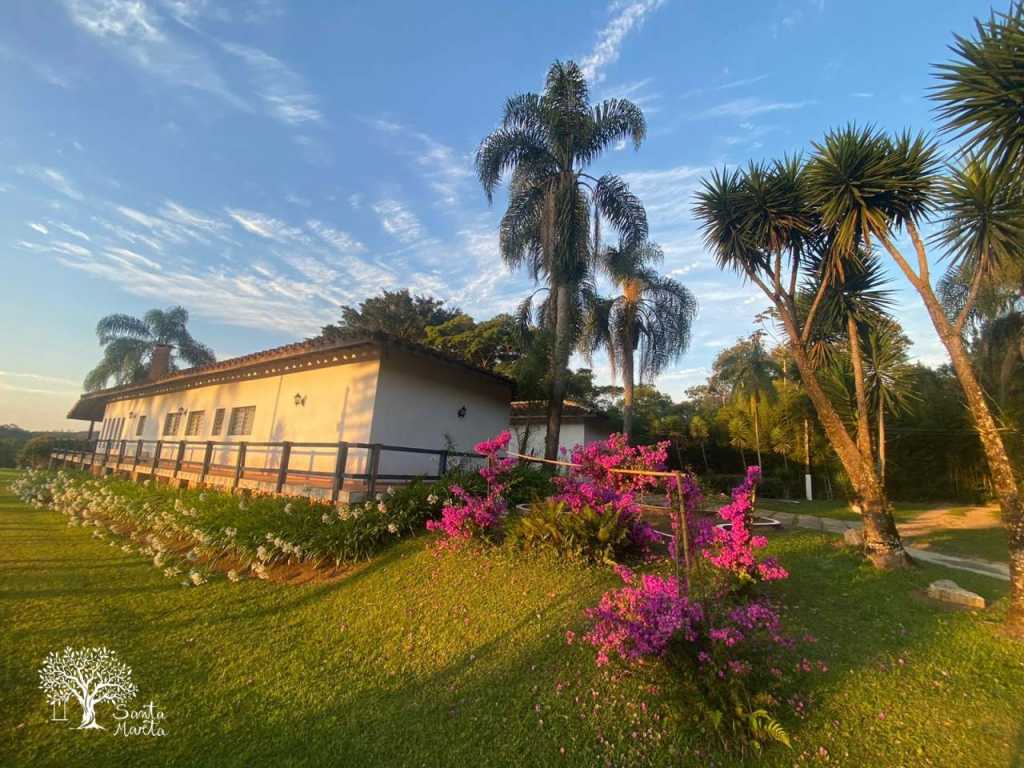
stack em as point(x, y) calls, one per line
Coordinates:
point(91, 404)
point(529, 410)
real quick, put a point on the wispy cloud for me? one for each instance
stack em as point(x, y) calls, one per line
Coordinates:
point(398, 221)
point(750, 106)
point(133, 29)
point(41, 229)
point(340, 241)
point(54, 179)
point(611, 37)
point(283, 91)
point(264, 226)
point(444, 169)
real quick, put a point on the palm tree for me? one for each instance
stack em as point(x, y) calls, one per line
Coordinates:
point(889, 375)
point(129, 344)
point(551, 226)
point(699, 431)
point(652, 316)
point(869, 185)
point(750, 373)
point(760, 222)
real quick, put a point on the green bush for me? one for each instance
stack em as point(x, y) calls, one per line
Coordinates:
point(36, 451)
point(590, 535)
point(527, 483)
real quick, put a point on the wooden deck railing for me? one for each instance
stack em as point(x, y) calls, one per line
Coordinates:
point(230, 463)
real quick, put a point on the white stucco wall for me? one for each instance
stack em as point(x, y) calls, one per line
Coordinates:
point(570, 435)
point(418, 402)
point(338, 406)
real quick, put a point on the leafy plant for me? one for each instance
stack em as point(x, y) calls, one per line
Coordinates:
point(590, 534)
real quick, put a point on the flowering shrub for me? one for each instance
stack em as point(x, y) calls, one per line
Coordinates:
point(178, 528)
point(730, 645)
point(732, 547)
point(468, 514)
point(592, 483)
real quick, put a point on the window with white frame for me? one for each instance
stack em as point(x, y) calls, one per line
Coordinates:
point(172, 422)
point(241, 420)
point(194, 424)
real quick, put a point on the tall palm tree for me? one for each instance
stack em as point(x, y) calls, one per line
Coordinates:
point(129, 343)
point(551, 226)
point(760, 222)
point(750, 373)
point(651, 317)
point(867, 186)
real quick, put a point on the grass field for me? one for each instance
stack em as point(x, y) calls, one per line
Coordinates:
point(426, 659)
point(986, 543)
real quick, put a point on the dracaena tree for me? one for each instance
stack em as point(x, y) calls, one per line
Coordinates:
point(545, 144)
point(128, 343)
point(871, 187)
point(643, 329)
point(761, 222)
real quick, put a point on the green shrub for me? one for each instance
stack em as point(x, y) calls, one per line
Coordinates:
point(36, 451)
point(527, 483)
point(591, 535)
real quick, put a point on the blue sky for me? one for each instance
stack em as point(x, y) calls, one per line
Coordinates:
point(263, 162)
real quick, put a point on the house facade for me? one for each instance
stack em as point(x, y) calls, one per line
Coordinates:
point(369, 391)
point(580, 426)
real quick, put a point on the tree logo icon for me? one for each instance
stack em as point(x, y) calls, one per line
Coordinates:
point(91, 676)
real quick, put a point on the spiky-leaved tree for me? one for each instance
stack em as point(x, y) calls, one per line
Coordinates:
point(129, 343)
point(646, 327)
point(762, 223)
point(91, 676)
point(546, 142)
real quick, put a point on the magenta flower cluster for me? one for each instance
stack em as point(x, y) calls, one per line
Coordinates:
point(466, 514)
point(592, 483)
point(641, 618)
point(732, 547)
point(726, 634)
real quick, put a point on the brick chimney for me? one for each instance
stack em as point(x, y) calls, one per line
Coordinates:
point(159, 362)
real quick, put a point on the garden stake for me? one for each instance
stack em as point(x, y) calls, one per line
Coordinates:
point(684, 531)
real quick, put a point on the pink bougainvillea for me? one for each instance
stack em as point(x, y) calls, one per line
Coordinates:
point(592, 483)
point(732, 547)
point(466, 514)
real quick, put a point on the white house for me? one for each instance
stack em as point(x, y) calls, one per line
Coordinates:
point(369, 391)
point(580, 426)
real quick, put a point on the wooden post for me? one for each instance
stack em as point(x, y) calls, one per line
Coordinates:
point(179, 458)
point(371, 481)
point(120, 453)
point(157, 450)
point(442, 464)
point(239, 465)
point(92, 457)
point(340, 463)
point(207, 458)
point(138, 452)
point(282, 470)
point(683, 531)
point(49, 464)
point(106, 454)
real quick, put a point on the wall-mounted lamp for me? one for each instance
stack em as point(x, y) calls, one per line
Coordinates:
point(462, 412)
point(300, 399)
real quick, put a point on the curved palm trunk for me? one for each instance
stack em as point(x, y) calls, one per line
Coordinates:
point(559, 369)
point(627, 388)
point(1003, 480)
point(857, 359)
point(882, 542)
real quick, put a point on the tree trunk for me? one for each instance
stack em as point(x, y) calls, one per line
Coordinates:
point(757, 432)
point(1003, 481)
point(857, 359)
point(559, 369)
point(881, 444)
point(627, 387)
point(89, 715)
point(704, 453)
point(882, 542)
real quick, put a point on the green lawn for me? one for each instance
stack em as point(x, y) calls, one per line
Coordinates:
point(984, 543)
point(421, 659)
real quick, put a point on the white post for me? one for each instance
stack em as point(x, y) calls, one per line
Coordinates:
point(807, 461)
